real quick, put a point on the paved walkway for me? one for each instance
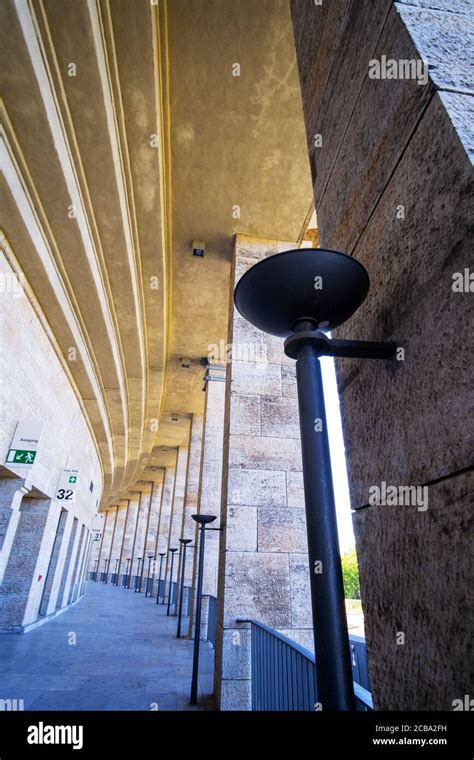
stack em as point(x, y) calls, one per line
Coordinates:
point(126, 657)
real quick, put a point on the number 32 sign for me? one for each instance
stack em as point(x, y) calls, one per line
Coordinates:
point(67, 486)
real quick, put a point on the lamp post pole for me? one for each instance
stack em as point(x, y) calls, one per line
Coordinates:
point(137, 577)
point(128, 573)
point(297, 295)
point(115, 583)
point(173, 551)
point(202, 520)
point(162, 555)
point(183, 542)
point(150, 557)
point(96, 564)
point(106, 563)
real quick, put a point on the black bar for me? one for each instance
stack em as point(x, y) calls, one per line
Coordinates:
point(197, 625)
point(331, 640)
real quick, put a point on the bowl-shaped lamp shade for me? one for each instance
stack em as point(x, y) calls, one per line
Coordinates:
point(315, 284)
point(203, 519)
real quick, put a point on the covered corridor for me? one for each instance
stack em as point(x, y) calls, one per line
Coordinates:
point(153, 154)
point(113, 650)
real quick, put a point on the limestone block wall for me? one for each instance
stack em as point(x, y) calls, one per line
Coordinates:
point(263, 564)
point(35, 385)
point(392, 174)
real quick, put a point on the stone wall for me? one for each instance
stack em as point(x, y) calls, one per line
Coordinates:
point(392, 173)
point(263, 564)
point(36, 558)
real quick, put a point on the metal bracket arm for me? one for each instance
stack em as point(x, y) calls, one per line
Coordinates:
point(350, 349)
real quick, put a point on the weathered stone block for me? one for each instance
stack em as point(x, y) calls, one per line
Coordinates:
point(256, 379)
point(301, 616)
point(241, 529)
point(265, 453)
point(236, 643)
point(460, 109)
point(444, 41)
point(352, 191)
point(416, 578)
point(236, 695)
point(418, 436)
point(280, 418)
point(295, 489)
point(281, 530)
point(245, 415)
point(257, 586)
point(288, 382)
point(257, 487)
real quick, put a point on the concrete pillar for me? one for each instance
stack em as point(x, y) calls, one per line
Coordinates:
point(27, 567)
point(85, 564)
point(107, 540)
point(79, 576)
point(46, 599)
point(393, 187)
point(166, 506)
point(130, 534)
point(117, 543)
point(165, 512)
point(12, 491)
point(191, 502)
point(155, 506)
point(63, 564)
point(98, 527)
point(66, 580)
point(263, 563)
point(210, 485)
point(142, 526)
point(73, 590)
point(176, 517)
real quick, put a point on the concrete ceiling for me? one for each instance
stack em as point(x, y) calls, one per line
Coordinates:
point(125, 136)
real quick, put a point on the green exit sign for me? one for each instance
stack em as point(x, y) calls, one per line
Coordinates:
point(21, 456)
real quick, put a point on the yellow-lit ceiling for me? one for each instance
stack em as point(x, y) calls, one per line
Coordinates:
point(129, 129)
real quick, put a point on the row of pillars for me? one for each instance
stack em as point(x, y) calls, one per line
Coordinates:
point(203, 523)
point(44, 552)
point(140, 534)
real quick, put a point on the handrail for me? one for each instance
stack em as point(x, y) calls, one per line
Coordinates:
point(294, 644)
point(361, 694)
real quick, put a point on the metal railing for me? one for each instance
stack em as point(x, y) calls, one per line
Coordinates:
point(284, 673)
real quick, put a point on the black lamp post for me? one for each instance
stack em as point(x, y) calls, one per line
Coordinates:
point(202, 520)
point(184, 542)
point(298, 295)
point(115, 583)
point(162, 555)
point(126, 583)
point(150, 557)
point(106, 562)
point(173, 551)
point(137, 577)
point(96, 564)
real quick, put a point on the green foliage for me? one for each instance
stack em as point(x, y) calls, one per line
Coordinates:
point(350, 574)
